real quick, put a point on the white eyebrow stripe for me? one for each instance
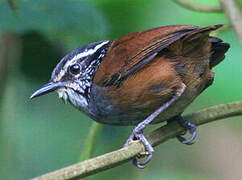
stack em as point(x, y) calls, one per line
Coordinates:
point(84, 54)
point(78, 56)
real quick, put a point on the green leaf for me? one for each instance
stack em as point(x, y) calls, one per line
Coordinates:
point(53, 18)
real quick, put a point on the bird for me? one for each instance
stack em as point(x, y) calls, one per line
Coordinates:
point(141, 78)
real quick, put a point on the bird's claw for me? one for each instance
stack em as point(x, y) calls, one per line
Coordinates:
point(141, 165)
point(138, 135)
point(192, 129)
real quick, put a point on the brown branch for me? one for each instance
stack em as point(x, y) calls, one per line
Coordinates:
point(234, 14)
point(198, 7)
point(160, 135)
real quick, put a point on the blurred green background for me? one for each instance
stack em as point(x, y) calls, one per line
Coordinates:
point(44, 134)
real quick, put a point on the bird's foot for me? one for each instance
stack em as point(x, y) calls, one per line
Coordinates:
point(192, 129)
point(137, 134)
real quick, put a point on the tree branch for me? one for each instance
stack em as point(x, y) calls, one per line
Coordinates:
point(156, 137)
point(234, 14)
point(198, 7)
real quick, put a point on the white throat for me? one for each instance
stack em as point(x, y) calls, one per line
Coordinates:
point(76, 99)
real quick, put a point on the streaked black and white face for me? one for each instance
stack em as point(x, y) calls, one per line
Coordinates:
point(76, 69)
point(82, 56)
point(72, 77)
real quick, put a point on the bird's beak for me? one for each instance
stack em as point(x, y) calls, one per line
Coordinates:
point(50, 87)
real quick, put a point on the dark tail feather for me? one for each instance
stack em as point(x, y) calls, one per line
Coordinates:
point(218, 50)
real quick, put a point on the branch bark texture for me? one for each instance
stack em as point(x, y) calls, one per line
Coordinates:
point(198, 7)
point(158, 136)
point(234, 14)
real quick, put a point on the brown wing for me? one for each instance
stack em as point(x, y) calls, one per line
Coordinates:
point(132, 52)
point(150, 66)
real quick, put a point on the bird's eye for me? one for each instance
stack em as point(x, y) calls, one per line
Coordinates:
point(75, 69)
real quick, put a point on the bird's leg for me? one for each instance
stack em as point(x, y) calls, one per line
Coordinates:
point(190, 127)
point(138, 130)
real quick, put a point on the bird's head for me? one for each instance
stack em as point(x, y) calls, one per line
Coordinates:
point(72, 77)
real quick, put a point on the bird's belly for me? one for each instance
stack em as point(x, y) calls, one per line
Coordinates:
point(103, 111)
